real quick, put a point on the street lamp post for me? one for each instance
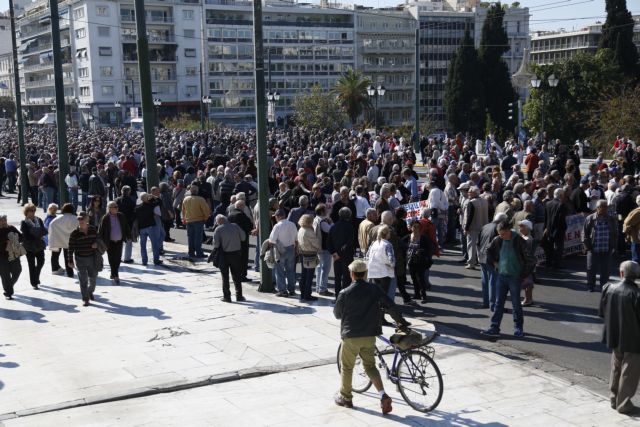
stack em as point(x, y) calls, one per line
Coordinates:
point(207, 101)
point(378, 93)
point(273, 98)
point(157, 102)
point(536, 83)
point(118, 105)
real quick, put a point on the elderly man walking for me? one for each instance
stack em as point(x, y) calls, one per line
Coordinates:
point(620, 308)
point(228, 238)
point(477, 216)
point(195, 211)
point(600, 239)
point(284, 237)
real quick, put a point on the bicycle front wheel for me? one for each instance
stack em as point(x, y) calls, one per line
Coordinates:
point(360, 380)
point(420, 381)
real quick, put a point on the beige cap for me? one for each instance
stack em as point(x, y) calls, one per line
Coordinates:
point(358, 266)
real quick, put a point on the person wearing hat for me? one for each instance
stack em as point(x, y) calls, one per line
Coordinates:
point(525, 227)
point(358, 309)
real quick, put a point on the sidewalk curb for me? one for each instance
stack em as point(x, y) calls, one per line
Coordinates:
point(169, 387)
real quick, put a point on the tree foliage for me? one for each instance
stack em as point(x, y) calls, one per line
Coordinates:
point(616, 115)
point(617, 35)
point(584, 81)
point(495, 76)
point(7, 104)
point(351, 90)
point(463, 93)
point(318, 109)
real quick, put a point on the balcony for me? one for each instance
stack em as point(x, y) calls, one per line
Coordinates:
point(152, 58)
point(132, 38)
point(47, 82)
point(149, 19)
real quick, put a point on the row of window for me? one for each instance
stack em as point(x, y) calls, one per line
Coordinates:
point(382, 61)
point(227, 67)
point(101, 10)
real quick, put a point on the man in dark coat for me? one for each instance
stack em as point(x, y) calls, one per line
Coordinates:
point(342, 245)
point(555, 227)
point(620, 308)
point(237, 216)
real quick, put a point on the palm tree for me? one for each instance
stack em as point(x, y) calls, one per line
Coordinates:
point(351, 89)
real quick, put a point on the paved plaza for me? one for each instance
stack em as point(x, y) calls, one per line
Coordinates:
point(269, 361)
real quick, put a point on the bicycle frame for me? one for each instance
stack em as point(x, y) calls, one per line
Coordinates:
point(397, 356)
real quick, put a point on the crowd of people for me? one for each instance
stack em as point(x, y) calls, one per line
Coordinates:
point(334, 197)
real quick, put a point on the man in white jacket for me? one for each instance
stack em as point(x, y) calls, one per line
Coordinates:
point(59, 231)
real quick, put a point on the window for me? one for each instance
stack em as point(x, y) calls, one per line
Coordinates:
point(107, 90)
point(190, 90)
point(102, 11)
point(190, 34)
point(190, 53)
point(81, 33)
point(106, 71)
point(85, 91)
point(105, 51)
point(81, 53)
point(187, 14)
point(78, 13)
point(104, 31)
point(83, 72)
point(190, 71)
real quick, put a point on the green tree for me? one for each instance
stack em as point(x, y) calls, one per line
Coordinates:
point(318, 109)
point(463, 96)
point(7, 104)
point(351, 90)
point(584, 81)
point(616, 115)
point(617, 35)
point(495, 76)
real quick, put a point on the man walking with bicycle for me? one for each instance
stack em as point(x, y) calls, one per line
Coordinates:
point(358, 308)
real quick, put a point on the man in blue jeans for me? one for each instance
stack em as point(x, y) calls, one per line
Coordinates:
point(489, 276)
point(512, 260)
point(145, 215)
point(284, 237)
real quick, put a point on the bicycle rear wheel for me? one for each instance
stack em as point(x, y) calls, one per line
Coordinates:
point(420, 381)
point(360, 380)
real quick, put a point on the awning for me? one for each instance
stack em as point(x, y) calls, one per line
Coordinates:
point(48, 119)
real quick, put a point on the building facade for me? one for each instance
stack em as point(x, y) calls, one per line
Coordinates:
point(206, 49)
point(548, 47)
point(385, 53)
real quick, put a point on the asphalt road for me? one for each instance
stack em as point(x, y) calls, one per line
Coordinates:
point(562, 327)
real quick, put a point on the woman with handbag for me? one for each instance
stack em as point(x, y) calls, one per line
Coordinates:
point(83, 243)
point(59, 231)
point(33, 231)
point(308, 246)
point(10, 252)
point(419, 259)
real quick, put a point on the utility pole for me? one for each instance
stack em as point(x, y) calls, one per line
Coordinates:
point(266, 285)
point(416, 140)
point(202, 99)
point(144, 68)
point(22, 152)
point(61, 120)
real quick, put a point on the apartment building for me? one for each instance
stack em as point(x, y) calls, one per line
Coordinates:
point(99, 59)
point(385, 53)
point(305, 45)
point(548, 47)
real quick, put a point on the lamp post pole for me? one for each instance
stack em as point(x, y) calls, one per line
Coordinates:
point(377, 92)
point(206, 100)
point(537, 83)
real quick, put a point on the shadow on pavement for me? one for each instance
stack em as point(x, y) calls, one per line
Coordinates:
point(153, 287)
point(278, 308)
point(124, 310)
point(433, 418)
point(46, 305)
point(22, 315)
point(564, 313)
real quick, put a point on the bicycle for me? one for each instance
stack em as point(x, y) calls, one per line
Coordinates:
point(413, 371)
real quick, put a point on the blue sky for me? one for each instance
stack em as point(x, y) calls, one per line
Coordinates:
point(545, 14)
